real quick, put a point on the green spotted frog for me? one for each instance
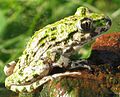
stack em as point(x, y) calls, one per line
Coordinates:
point(52, 46)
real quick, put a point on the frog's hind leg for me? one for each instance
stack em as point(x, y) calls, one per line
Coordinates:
point(79, 64)
point(31, 87)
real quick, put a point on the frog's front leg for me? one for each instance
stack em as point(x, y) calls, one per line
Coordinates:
point(66, 62)
point(73, 64)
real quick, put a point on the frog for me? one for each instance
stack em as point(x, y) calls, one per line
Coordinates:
point(53, 46)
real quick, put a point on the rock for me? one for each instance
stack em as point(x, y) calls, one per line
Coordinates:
point(106, 49)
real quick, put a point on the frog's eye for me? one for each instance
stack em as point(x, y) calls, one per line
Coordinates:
point(86, 24)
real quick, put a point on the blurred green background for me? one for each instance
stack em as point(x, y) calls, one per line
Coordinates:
point(19, 19)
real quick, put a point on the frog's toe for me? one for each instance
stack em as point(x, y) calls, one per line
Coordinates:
point(80, 64)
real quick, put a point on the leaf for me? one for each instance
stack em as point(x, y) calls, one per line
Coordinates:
point(2, 78)
point(3, 22)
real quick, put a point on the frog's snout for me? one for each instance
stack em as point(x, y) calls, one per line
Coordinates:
point(104, 25)
point(107, 26)
point(108, 20)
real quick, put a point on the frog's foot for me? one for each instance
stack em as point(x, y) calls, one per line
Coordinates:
point(79, 64)
point(8, 69)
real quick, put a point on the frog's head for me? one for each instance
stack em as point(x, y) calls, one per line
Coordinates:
point(92, 23)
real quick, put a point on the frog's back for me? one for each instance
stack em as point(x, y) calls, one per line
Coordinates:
point(46, 37)
point(51, 34)
point(55, 30)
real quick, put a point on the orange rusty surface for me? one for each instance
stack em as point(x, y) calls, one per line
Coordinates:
point(109, 41)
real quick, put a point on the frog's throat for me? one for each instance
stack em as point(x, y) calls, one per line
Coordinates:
point(33, 86)
point(89, 40)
